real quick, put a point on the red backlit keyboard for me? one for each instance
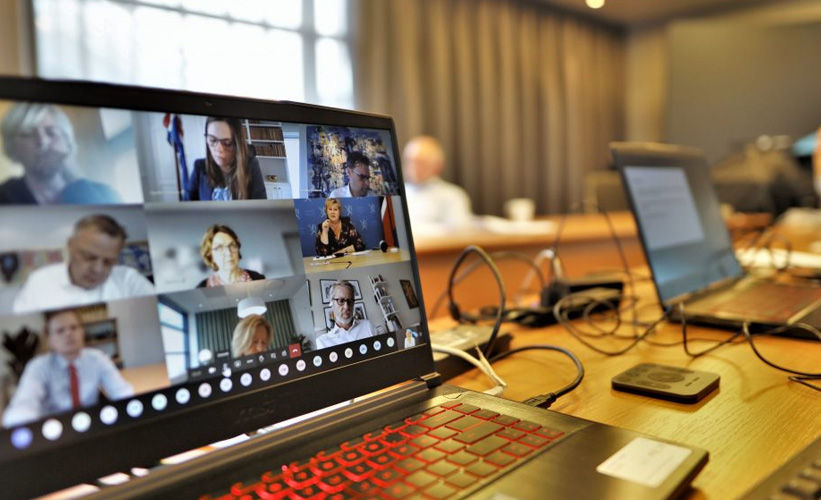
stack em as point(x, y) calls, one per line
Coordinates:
point(435, 454)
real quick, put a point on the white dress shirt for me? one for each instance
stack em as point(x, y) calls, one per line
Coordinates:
point(50, 287)
point(360, 329)
point(345, 192)
point(45, 387)
point(438, 206)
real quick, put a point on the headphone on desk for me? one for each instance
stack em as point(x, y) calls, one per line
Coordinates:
point(453, 307)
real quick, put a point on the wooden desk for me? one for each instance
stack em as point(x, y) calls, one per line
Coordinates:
point(755, 421)
point(359, 259)
point(147, 378)
point(586, 244)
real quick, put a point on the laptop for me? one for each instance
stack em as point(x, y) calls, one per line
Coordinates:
point(689, 249)
point(215, 323)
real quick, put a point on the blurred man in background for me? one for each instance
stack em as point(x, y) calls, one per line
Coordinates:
point(435, 205)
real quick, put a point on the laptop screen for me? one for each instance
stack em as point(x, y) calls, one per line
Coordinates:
point(171, 262)
point(679, 218)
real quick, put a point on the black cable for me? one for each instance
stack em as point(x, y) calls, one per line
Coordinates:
point(623, 257)
point(547, 399)
point(728, 340)
point(592, 307)
point(579, 335)
point(454, 307)
point(805, 380)
point(475, 265)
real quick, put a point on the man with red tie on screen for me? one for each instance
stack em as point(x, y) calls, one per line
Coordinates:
point(69, 376)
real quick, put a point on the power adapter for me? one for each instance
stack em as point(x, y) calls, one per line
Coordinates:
point(603, 298)
point(562, 287)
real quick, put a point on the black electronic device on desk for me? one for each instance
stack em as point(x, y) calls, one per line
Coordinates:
point(327, 392)
point(681, 385)
point(576, 304)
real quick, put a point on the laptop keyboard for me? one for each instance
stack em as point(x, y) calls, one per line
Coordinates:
point(799, 478)
point(768, 302)
point(436, 454)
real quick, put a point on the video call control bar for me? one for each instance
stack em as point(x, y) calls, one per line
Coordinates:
point(73, 425)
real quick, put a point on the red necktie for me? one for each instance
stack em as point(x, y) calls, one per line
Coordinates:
point(75, 385)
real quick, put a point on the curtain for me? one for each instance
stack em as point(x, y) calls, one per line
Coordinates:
point(216, 328)
point(523, 98)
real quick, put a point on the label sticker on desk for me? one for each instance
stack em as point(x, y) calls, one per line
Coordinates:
point(644, 461)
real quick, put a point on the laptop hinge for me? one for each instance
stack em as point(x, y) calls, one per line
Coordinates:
point(712, 287)
point(432, 379)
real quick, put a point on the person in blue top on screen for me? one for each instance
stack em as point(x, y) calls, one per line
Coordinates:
point(337, 234)
point(228, 171)
point(41, 138)
point(69, 376)
point(358, 169)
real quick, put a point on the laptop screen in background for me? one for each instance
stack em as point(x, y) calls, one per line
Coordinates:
point(687, 244)
point(199, 299)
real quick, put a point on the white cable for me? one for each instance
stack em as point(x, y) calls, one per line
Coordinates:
point(556, 270)
point(481, 364)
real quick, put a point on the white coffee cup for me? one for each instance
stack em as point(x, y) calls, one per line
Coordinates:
point(520, 209)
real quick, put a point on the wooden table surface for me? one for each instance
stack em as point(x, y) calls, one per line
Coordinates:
point(358, 259)
point(586, 244)
point(754, 422)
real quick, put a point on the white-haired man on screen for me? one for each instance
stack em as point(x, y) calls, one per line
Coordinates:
point(346, 327)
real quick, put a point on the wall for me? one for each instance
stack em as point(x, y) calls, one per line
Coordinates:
point(732, 81)
point(15, 51)
point(646, 89)
point(138, 331)
point(714, 81)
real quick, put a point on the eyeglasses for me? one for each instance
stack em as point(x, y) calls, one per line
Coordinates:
point(231, 247)
point(776, 352)
point(362, 177)
point(342, 302)
point(213, 141)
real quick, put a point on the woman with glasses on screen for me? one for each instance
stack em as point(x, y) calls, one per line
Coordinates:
point(220, 250)
point(337, 234)
point(228, 171)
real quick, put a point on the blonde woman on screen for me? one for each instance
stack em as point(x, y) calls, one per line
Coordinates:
point(252, 335)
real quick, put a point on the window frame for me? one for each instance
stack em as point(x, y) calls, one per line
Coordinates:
point(309, 38)
point(185, 332)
